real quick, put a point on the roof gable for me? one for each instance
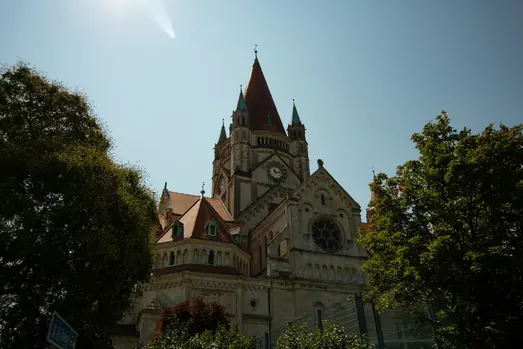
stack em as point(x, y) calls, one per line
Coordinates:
point(180, 203)
point(196, 222)
point(312, 183)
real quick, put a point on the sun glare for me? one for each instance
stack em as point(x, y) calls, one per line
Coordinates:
point(155, 9)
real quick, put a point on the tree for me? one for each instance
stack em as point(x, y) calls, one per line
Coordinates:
point(332, 337)
point(447, 230)
point(74, 225)
point(194, 317)
point(222, 337)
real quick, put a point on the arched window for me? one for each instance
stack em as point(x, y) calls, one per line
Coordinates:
point(211, 228)
point(323, 199)
point(171, 258)
point(211, 257)
point(177, 229)
point(269, 118)
point(260, 257)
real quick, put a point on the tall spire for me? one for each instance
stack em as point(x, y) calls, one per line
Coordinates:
point(260, 105)
point(223, 135)
point(295, 117)
point(241, 101)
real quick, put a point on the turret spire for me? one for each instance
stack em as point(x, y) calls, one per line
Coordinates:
point(295, 117)
point(223, 135)
point(241, 101)
point(262, 111)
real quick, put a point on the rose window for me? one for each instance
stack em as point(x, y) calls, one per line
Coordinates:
point(327, 235)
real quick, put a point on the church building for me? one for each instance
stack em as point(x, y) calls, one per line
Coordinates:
point(273, 242)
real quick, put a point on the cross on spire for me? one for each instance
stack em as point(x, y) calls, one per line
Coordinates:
point(203, 189)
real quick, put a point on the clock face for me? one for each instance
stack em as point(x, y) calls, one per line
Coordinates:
point(275, 172)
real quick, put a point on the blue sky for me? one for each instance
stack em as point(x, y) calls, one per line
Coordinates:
point(365, 74)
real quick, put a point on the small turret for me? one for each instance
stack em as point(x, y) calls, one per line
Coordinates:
point(296, 130)
point(223, 134)
point(299, 148)
point(240, 117)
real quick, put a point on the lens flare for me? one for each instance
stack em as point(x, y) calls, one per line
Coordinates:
point(156, 9)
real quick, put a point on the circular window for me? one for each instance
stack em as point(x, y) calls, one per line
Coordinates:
point(327, 235)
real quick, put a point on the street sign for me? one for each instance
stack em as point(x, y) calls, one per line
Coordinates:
point(60, 334)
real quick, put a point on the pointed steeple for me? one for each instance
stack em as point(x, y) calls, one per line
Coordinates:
point(260, 105)
point(223, 135)
point(241, 101)
point(295, 117)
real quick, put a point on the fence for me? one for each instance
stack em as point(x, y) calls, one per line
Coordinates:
point(390, 330)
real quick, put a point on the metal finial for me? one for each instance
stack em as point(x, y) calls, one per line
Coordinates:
point(255, 51)
point(203, 189)
point(373, 173)
point(223, 122)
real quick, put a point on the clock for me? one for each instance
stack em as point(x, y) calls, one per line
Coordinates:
point(275, 172)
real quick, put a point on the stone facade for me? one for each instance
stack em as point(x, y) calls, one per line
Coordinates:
point(272, 243)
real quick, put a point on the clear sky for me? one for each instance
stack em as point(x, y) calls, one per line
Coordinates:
point(365, 74)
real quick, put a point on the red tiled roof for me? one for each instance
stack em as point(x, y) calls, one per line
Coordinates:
point(197, 268)
point(182, 202)
point(259, 102)
point(195, 222)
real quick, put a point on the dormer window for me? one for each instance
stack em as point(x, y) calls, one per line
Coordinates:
point(211, 228)
point(177, 230)
point(269, 118)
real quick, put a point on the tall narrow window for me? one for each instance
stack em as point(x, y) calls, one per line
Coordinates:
point(211, 228)
point(265, 247)
point(323, 199)
point(177, 229)
point(171, 258)
point(211, 257)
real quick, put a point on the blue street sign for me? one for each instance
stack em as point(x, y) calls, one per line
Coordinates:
point(60, 334)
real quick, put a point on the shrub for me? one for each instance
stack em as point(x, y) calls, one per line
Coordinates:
point(332, 337)
point(192, 318)
point(222, 337)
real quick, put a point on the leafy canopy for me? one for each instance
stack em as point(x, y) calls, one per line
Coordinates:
point(74, 225)
point(447, 229)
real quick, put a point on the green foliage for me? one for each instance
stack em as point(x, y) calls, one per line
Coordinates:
point(332, 337)
point(447, 229)
point(74, 225)
point(194, 317)
point(222, 337)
